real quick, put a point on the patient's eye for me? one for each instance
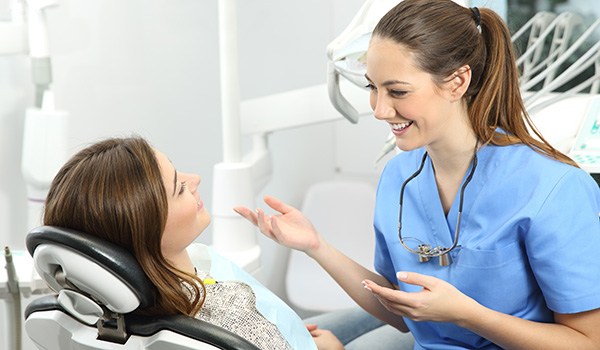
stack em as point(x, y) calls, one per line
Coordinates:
point(183, 187)
point(398, 93)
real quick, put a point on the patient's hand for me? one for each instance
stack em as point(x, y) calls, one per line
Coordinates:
point(289, 228)
point(324, 339)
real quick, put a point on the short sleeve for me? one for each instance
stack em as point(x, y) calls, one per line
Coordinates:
point(383, 262)
point(562, 244)
point(386, 197)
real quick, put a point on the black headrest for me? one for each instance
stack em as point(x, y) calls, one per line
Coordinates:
point(119, 261)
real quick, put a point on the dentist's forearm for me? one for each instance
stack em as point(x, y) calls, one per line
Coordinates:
point(349, 275)
point(511, 332)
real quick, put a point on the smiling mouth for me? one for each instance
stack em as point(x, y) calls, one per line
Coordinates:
point(400, 126)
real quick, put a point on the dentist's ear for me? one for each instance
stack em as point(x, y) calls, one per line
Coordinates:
point(459, 82)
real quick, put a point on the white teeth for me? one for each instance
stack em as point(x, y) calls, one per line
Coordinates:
point(400, 126)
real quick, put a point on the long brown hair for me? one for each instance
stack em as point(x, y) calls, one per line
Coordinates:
point(445, 36)
point(114, 189)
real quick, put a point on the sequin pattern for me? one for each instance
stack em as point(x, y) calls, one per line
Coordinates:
point(232, 306)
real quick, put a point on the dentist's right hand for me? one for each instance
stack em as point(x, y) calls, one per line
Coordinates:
point(292, 229)
point(289, 228)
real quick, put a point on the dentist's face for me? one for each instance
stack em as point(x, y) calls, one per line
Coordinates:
point(405, 96)
point(187, 217)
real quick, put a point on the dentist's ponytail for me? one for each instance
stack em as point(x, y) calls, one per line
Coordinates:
point(498, 103)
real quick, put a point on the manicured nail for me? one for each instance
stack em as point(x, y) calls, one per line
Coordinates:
point(402, 275)
point(366, 286)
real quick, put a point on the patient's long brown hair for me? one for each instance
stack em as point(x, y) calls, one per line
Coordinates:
point(445, 36)
point(114, 189)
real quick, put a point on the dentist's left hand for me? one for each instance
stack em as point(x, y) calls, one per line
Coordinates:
point(438, 301)
point(289, 228)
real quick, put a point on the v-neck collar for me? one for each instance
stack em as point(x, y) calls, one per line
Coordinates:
point(444, 226)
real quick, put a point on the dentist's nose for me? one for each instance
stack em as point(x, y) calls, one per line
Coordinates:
point(382, 107)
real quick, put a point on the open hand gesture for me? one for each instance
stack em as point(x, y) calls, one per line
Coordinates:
point(289, 228)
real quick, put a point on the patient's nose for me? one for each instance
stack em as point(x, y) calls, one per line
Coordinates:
point(194, 181)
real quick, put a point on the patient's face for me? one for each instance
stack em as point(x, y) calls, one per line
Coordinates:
point(187, 216)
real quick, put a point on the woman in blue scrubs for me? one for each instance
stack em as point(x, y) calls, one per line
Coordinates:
point(486, 236)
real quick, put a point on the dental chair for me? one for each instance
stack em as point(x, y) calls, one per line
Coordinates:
point(98, 286)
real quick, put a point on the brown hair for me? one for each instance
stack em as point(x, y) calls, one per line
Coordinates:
point(445, 36)
point(114, 189)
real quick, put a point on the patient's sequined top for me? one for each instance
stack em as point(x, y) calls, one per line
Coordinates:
point(232, 306)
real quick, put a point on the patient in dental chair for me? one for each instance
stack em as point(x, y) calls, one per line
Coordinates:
point(129, 193)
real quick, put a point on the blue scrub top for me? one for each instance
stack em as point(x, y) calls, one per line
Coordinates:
point(528, 245)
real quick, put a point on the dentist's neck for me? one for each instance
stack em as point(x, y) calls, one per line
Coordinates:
point(453, 152)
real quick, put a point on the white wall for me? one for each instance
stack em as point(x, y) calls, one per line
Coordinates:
point(151, 68)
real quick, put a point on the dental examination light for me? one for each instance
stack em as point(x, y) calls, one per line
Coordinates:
point(346, 54)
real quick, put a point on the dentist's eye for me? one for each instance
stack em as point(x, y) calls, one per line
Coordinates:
point(370, 87)
point(398, 93)
point(183, 187)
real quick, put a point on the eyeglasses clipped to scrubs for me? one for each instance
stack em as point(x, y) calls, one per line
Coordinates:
point(424, 250)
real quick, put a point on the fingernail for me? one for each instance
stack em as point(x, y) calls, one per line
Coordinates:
point(366, 286)
point(402, 275)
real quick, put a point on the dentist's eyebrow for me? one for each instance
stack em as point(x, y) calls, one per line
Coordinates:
point(389, 82)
